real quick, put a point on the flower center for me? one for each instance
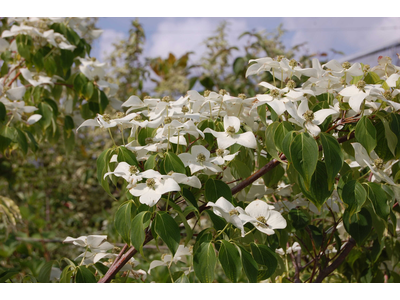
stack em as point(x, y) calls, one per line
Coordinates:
point(119, 114)
point(35, 77)
point(207, 93)
point(230, 130)
point(220, 152)
point(293, 63)
point(58, 40)
point(96, 78)
point(263, 222)
point(133, 169)
point(222, 92)
point(279, 58)
point(201, 158)
point(233, 212)
point(167, 120)
point(378, 163)
point(274, 93)
point(166, 99)
point(151, 183)
point(308, 115)
point(361, 84)
point(106, 118)
point(138, 118)
point(366, 68)
point(185, 109)
point(388, 95)
point(346, 65)
point(242, 96)
point(291, 84)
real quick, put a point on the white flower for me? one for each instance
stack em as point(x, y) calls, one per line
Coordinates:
point(305, 117)
point(263, 217)
point(33, 119)
point(230, 136)
point(180, 254)
point(199, 159)
point(156, 185)
point(356, 94)
point(35, 80)
point(376, 164)
point(96, 243)
point(58, 40)
point(294, 248)
point(222, 156)
point(226, 210)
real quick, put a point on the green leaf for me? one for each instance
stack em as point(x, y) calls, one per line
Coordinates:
point(151, 162)
point(47, 114)
point(145, 133)
point(281, 131)
point(102, 167)
point(372, 78)
point(379, 199)
point(287, 141)
point(103, 102)
point(239, 65)
point(333, 157)
point(262, 113)
point(83, 275)
point(265, 257)
point(88, 90)
point(122, 221)
point(365, 133)
point(44, 273)
point(22, 141)
point(33, 144)
point(4, 276)
point(319, 191)
point(304, 155)
point(272, 177)
point(50, 66)
point(239, 169)
point(3, 112)
point(395, 127)
point(299, 218)
point(37, 60)
point(229, 258)
point(249, 265)
point(214, 189)
point(172, 162)
point(204, 261)
point(66, 275)
point(127, 156)
point(218, 222)
point(69, 135)
point(189, 197)
point(166, 227)
point(391, 138)
point(269, 140)
point(354, 196)
point(358, 225)
point(137, 233)
point(207, 82)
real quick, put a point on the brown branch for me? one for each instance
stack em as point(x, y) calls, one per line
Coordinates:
point(16, 76)
point(249, 180)
point(334, 265)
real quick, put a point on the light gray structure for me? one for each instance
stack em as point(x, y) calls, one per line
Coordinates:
point(370, 56)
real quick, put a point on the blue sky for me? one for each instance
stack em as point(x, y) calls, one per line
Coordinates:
point(181, 34)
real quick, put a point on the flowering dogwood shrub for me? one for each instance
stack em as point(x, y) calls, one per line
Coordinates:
point(299, 184)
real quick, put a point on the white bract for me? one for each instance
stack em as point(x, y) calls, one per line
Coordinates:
point(230, 136)
point(231, 214)
point(263, 217)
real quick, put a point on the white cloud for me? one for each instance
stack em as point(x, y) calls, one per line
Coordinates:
point(179, 36)
point(343, 34)
point(106, 41)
